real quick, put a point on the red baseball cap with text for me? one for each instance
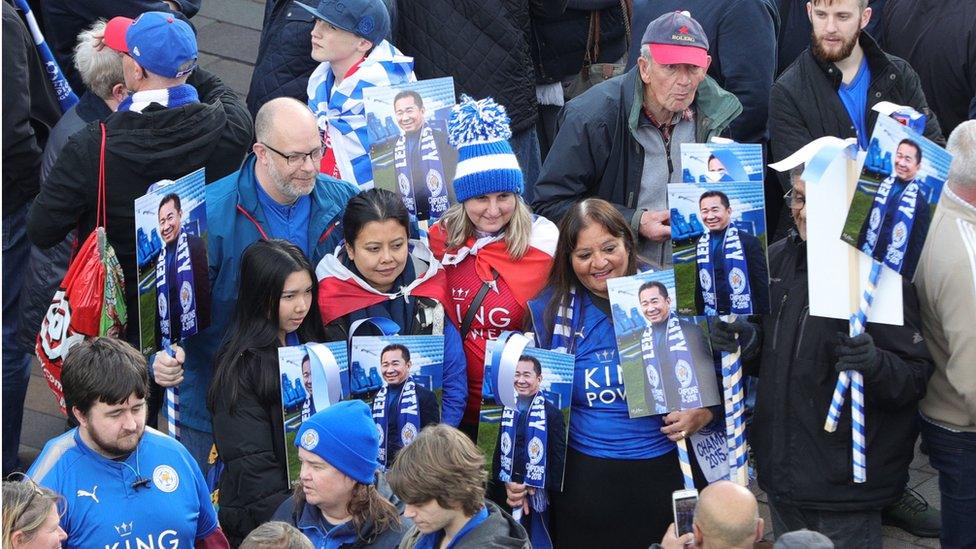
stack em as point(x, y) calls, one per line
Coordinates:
point(676, 39)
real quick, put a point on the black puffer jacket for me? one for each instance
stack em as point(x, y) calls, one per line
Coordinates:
point(142, 148)
point(284, 60)
point(250, 443)
point(483, 44)
point(798, 462)
point(804, 105)
point(559, 43)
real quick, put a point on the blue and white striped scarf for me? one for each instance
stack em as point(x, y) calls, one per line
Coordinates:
point(564, 323)
point(177, 96)
point(341, 113)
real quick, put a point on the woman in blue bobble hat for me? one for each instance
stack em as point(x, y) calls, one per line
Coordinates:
point(341, 498)
point(495, 253)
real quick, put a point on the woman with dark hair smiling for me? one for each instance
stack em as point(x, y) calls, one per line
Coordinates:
point(380, 272)
point(276, 307)
point(620, 471)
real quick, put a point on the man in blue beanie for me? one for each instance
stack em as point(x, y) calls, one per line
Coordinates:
point(341, 498)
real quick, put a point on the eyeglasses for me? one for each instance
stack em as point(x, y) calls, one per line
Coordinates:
point(795, 200)
point(297, 159)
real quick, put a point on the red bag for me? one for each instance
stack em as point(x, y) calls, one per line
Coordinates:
point(90, 301)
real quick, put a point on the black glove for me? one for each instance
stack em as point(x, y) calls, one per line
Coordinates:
point(857, 353)
point(722, 334)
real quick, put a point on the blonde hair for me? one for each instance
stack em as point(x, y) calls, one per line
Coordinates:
point(276, 535)
point(441, 464)
point(459, 228)
point(25, 508)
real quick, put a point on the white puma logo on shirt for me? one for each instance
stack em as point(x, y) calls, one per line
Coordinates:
point(87, 494)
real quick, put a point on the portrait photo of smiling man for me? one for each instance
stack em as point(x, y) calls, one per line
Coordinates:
point(731, 264)
point(173, 269)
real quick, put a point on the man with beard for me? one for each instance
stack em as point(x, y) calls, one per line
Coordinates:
point(277, 193)
point(123, 483)
point(183, 298)
point(890, 233)
point(423, 159)
point(831, 87)
point(402, 407)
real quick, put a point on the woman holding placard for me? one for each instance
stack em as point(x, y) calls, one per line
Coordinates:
point(379, 272)
point(620, 471)
point(495, 253)
point(276, 307)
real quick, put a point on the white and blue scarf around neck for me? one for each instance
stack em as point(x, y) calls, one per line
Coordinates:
point(681, 362)
point(736, 271)
point(534, 473)
point(187, 316)
point(408, 418)
point(564, 323)
point(341, 111)
point(177, 96)
point(433, 170)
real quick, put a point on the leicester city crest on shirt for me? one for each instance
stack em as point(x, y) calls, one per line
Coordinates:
point(310, 439)
point(682, 371)
point(165, 478)
point(737, 280)
point(536, 450)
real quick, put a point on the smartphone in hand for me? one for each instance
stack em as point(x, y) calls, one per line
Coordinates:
point(683, 502)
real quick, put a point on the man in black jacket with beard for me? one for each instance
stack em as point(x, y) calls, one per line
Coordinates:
point(806, 471)
point(175, 121)
point(831, 87)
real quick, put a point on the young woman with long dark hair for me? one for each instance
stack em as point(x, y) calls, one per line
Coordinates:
point(276, 306)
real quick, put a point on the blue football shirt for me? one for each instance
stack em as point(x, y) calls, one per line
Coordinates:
point(854, 96)
point(103, 509)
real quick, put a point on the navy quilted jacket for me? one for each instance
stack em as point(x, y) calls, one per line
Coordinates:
point(284, 60)
point(483, 44)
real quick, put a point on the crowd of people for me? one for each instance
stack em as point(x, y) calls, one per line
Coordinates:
point(567, 133)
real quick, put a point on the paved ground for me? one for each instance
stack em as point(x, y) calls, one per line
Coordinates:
point(229, 32)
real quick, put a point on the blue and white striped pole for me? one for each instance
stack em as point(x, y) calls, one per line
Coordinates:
point(66, 97)
point(855, 381)
point(685, 464)
point(172, 401)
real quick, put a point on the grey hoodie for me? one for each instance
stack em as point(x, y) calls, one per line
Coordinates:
point(499, 531)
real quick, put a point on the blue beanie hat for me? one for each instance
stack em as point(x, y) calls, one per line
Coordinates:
point(345, 436)
point(486, 164)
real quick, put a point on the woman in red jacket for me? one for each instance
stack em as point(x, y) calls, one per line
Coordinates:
point(496, 254)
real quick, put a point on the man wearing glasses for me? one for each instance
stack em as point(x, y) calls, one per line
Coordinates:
point(277, 193)
point(799, 359)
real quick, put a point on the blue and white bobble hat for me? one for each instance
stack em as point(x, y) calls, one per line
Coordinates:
point(486, 164)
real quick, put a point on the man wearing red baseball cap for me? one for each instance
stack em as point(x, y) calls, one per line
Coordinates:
point(631, 128)
point(176, 119)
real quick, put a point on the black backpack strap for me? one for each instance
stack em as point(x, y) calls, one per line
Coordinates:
point(475, 303)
